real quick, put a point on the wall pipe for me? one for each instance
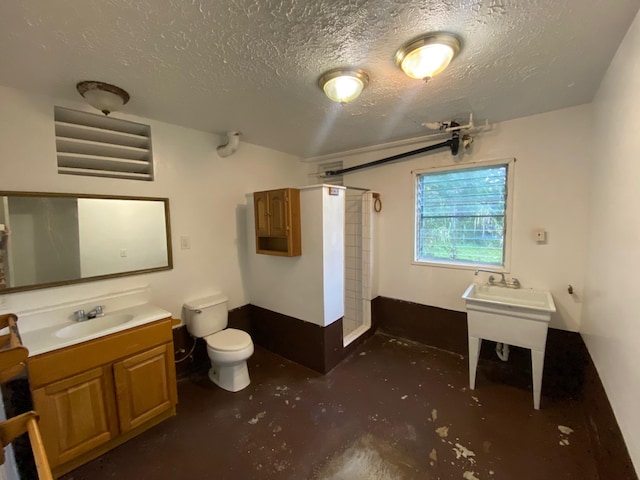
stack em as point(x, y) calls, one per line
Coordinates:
point(453, 144)
point(231, 146)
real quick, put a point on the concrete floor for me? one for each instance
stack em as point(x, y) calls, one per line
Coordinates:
point(392, 410)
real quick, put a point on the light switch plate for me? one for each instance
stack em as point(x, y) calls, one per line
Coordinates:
point(185, 242)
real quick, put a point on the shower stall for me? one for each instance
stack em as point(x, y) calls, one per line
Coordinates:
point(360, 285)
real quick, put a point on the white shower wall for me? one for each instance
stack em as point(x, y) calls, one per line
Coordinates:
point(352, 261)
point(358, 262)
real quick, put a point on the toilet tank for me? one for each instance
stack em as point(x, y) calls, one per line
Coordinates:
point(207, 315)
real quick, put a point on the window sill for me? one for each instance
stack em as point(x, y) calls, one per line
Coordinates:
point(462, 266)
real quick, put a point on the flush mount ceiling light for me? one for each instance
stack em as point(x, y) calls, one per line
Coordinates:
point(427, 55)
point(103, 96)
point(343, 84)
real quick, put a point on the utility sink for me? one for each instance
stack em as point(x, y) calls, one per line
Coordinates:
point(93, 326)
point(502, 299)
point(517, 317)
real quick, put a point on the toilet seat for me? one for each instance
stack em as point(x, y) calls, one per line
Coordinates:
point(229, 340)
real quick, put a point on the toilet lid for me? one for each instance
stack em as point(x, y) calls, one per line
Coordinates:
point(229, 340)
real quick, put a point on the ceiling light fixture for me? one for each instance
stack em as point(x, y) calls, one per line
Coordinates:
point(103, 96)
point(343, 84)
point(428, 55)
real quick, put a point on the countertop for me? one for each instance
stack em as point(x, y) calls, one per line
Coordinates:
point(45, 340)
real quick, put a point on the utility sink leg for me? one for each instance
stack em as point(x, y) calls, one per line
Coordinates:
point(474, 354)
point(537, 365)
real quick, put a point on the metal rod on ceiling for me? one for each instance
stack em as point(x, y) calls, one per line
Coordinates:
point(453, 144)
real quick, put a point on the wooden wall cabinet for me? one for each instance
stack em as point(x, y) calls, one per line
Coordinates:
point(277, 222)
point(94, 396)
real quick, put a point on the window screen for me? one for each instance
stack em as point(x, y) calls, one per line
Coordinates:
point(461, 216)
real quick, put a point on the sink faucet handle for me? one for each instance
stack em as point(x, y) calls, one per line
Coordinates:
point(99, 309)
point(79, 315)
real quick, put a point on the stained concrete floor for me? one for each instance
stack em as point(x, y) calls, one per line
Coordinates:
point(393, 410)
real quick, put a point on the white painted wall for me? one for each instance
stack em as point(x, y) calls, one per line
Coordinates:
point(121, 236)
point(206, 195)
point(551, 192)
point(610, 324)
point(333, 258)
point(309, 287)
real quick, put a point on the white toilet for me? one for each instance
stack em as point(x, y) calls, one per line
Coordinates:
point(228, 348)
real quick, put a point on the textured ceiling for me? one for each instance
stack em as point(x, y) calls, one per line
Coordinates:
point(252, 66)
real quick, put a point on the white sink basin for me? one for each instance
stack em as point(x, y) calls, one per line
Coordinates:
point(94, 325)
point(523, 298)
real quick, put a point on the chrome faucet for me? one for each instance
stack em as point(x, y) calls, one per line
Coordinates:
point(81, 315)
point(514, 283)
point(492, 279)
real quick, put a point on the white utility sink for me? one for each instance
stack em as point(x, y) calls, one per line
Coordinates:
point(517, 317)
point(509, 298)
point(93, 325)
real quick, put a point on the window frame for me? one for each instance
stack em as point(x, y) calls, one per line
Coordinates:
point(508, 217)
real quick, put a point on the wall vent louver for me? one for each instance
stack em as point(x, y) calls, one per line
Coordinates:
point(99, 146)
point(327, 167)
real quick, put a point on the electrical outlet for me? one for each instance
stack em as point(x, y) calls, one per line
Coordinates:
point(540, 236)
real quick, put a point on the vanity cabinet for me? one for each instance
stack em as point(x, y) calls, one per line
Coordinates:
point(277, 222)
point(96, 395)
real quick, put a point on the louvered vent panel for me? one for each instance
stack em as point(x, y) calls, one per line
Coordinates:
point(334, 179)
point(99, 146)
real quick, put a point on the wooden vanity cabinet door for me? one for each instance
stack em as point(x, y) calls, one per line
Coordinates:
point(145, 386)
point(278, 208)
point(77, 414)
point(261, 207)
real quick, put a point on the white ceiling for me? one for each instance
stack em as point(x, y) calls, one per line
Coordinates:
point(252, 66)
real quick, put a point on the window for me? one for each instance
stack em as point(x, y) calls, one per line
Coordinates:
point(462, 215)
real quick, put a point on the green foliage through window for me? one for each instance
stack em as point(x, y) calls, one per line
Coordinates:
point(460, 215)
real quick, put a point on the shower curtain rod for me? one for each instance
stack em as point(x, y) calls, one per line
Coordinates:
point(453, 144)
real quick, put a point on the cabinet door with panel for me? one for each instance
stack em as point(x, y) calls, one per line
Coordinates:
point(145, 386)
point(261, 207)
point(277, 222)
point(77, 414)
point(278, 217)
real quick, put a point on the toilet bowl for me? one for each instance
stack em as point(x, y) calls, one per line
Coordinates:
point(228, 349)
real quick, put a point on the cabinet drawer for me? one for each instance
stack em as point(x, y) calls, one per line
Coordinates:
point(52, 366)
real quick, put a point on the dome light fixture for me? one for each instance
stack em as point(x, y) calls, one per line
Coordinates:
point(105, 97)
point(343, 84)
point(428, 55)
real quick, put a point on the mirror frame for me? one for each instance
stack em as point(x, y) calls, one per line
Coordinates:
point(38, 286)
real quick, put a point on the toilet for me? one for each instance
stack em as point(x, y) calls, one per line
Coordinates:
point(228, 348)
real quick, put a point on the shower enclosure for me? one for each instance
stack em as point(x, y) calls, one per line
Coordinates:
point(359, 279)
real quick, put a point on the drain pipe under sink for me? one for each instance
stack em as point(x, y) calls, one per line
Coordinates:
point(502, 350)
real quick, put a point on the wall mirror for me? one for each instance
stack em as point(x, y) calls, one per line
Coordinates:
point(51, 239)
